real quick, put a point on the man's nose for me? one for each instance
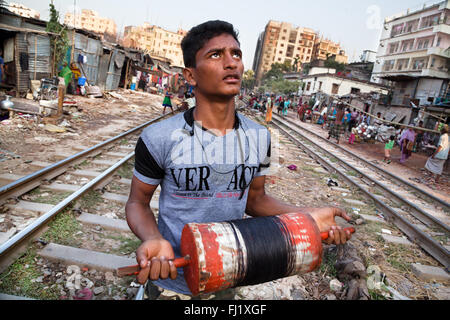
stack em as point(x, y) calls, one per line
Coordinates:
point(229, 61)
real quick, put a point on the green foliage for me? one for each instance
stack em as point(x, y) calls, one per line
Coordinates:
point(249, 80)
point(274, 82)
point(60, 42)
point(333, 64)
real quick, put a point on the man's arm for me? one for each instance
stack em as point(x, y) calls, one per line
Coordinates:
point(155, 252)
point(260, 204)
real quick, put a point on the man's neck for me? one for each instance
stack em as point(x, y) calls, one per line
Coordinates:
point(217, 115)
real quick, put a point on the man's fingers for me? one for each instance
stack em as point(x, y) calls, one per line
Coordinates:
point(155, 269)
point(165, 268)
point(341, 213)
point(142, 277)
point(343, 236)
point(173, 270)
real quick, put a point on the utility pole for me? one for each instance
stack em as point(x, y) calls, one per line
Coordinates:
point(73, 35)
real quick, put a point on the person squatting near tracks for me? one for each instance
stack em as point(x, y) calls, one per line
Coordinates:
point(407, 140)
point(172, 154)
point(436, 162)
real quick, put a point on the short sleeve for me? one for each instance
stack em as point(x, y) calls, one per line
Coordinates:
point(147, 169)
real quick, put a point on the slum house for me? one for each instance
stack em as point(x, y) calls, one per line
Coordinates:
point(171, 76)
point(136, 61)
point(85, 49)
point(26, 51)
point(110, 67)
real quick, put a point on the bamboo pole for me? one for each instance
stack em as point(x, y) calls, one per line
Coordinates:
point(35, 55)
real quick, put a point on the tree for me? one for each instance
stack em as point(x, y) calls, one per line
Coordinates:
point(333, 64)
point(249, 80)
point(59, 42)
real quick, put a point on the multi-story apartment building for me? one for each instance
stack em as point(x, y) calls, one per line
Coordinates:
point(23, 11)
point(325, 48)
point(413, 55)
point(156, 41)
point(91, 21)
point(281, 42)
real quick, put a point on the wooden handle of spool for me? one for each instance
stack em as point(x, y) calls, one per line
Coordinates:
point(326, 235)
point(134, 270)
point(183, 262)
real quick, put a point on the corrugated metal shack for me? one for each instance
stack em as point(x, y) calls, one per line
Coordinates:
point(27, 52)
point(111, 64)
point(89, 45)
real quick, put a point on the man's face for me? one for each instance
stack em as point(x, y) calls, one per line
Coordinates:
point(219, 67)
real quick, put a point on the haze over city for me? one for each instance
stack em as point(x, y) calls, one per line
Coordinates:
point(355, 24)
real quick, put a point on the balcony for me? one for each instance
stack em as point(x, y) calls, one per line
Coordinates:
point(435, 73)
point(445, 53)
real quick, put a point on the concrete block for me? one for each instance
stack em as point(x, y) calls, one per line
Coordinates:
point(104, 162)
point(320, 170)
point(396, 240)
point(85, 258)
point(32, 206)
point(106, 223)
point(61, 187)
point(429, 273)
point(125, 181)
point(10, 297)
point(355, 202)
point(372, 218)
point(5, 236)
point(7, 178)
point(115, 197)
point(86, 173)
point(116, 154)
point(340, 189)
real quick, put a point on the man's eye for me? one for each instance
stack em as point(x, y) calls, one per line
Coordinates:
point(215, 55)
point(237, 55)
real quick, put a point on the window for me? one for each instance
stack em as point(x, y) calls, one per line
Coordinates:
point(419, 64)
point(335, 89)
point(355, 90)
point(393, 47)
point(402, 64)
point(308, 86)
point(388, 65)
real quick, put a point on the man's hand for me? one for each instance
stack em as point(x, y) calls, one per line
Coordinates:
point(154, 257)
point(325, 219)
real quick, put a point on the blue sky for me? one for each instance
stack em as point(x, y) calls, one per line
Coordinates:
point(354, 23)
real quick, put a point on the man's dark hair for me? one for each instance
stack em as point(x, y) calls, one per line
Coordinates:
point(198, 36)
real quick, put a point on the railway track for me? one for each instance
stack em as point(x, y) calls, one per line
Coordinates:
point(422, 217)
point(90, 188)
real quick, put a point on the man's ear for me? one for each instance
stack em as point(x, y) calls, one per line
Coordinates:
point(189, 76)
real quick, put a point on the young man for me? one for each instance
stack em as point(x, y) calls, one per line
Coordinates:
point(197, 184)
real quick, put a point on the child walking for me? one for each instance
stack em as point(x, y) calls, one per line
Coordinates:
point(388, 149)
point(167, 103)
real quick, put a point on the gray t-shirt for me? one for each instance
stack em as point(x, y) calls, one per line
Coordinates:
point(203, 177)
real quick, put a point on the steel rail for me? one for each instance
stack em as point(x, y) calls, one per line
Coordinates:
point(438, 252)
point(418, 212)
point(6, 190)
point(391, 175)
point(7, 252)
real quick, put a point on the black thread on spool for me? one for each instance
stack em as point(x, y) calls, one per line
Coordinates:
point(270, 253)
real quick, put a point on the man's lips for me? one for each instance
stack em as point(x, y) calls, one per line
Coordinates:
point(232, 78)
